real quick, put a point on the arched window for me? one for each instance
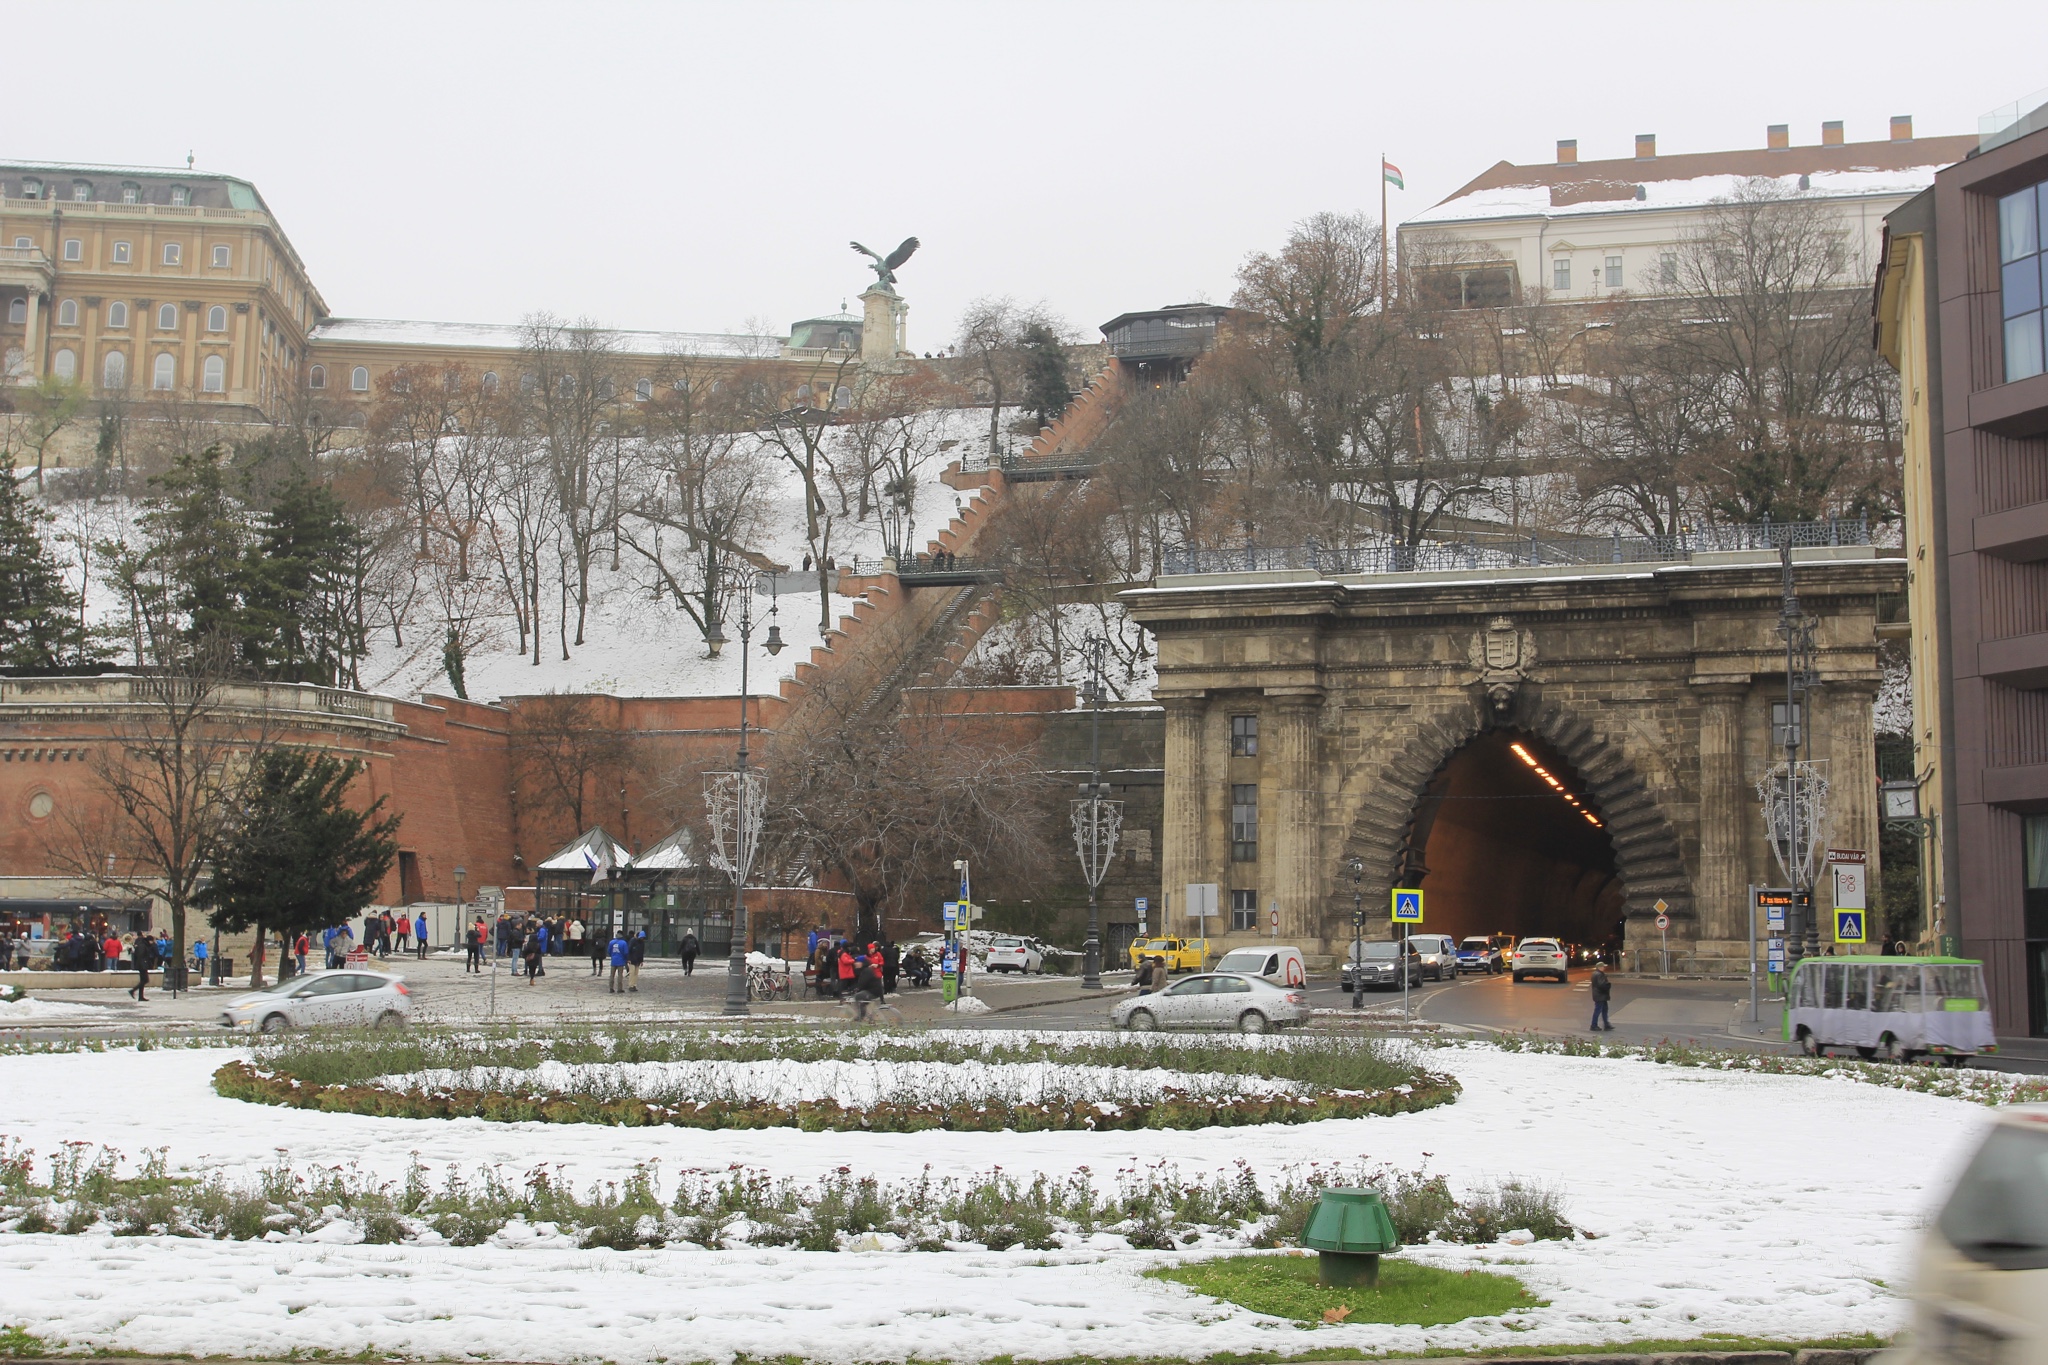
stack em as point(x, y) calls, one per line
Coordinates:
point(214, 375)
point(64, 364)
point(17, 310)
point(644, 390)
point(221, 257)
point(359, 379)
point(165, 375)
point(67, 313)
point(490, 381)
point(114, 371)
point(316, 378)
point(216, 319)
point(527, 382)
point(117, 315)
point(167, 318)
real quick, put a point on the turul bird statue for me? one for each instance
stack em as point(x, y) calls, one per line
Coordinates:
point(885, 266)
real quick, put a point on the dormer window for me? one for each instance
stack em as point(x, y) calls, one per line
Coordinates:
point(81, 191)
point(31, 188)
point(180, 196)
point(131, 193)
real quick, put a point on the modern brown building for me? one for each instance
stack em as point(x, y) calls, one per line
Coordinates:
point(1959, 313)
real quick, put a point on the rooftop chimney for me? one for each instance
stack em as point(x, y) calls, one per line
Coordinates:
point(1646, 146)
point(1567, 151)
point(1902, 127)
point(1831, 134)
point(1778, 137)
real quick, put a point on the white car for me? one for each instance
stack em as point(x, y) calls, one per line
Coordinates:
point(1248, 1004)
point(1008, 953)
point(1540, 957)
point(1281, 966)
point(345, 999)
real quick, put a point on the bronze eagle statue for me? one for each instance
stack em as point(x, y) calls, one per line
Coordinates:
point(885, 266)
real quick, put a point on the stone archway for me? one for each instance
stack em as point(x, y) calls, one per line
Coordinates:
point(1647, 854)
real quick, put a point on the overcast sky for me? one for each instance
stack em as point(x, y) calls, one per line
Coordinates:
point(696, 167)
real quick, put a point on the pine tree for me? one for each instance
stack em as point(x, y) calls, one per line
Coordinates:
point(190, 576)
point(1045, 373)
point(299, 596)
point(39, 626)
point(301, 857)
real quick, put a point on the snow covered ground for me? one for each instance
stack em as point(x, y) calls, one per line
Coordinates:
point(1752, 1204)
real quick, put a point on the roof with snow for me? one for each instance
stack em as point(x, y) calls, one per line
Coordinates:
point(677, 853)
point(587, 852)
point(1692, 180)
point(503, 336)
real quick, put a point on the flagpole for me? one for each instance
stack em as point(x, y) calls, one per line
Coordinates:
point(1383, 232)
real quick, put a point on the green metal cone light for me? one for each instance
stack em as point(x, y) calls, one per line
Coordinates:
point(1350, 1230)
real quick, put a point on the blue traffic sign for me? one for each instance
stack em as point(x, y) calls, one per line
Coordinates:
point(1407, 907)
point(1144, 904)
point(1848, 926)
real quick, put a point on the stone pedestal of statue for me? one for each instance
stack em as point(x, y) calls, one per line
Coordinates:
point(884, 325)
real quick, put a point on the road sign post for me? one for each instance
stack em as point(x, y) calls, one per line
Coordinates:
point(1849, 926)
point(1664, 937)
point(1144, 904)
point(1407, 913)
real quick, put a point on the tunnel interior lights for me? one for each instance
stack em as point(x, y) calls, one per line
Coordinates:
point(1556, 785)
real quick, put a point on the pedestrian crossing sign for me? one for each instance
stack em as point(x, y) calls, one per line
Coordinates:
point(1407, 906)
point(1848, 926)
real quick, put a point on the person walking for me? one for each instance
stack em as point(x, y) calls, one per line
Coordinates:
point(892, 965)
point(573, 933)
point(1603, 991)
point(419, 934)
point(688, 951)
point(867, 982)
point(473, 945)
point(144, 958)
point(540, 935)
point(600, 947)
point(198, 959)
point(635, 957)
point(529, 953)
point(849, 972)
point(620, 953)
point(403, 931)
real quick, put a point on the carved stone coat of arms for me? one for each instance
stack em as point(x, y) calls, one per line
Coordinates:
point(1503, 655)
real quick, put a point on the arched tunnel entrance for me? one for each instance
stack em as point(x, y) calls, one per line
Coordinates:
point(1506, 839)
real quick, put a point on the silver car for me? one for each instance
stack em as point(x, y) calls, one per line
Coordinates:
point(1215, 1000)
point(1540, 957)
point(344, 999)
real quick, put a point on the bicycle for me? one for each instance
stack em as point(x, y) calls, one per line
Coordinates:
point(765, 983)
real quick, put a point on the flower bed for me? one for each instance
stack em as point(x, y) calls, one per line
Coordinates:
point(871, 1083)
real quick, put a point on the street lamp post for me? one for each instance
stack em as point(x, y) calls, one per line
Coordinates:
point(734, 799)
point(1097, 822)
point(1802, 937)
point(1357, 933)
point(963, 923)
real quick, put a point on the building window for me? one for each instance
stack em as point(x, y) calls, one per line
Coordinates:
point(67, 313)
point(221, 256)
point(74, 249)
point(167, 318)
point(131, 193)
point(24, 244)
point(490, 381)
point(214, 375)
point(1244, 910)
point(173, 253)
point(81, 191)
point(1561, 274)
point(1614, 272)
point(1779, 728)
point(1244, 822)
point(64, 364)
point(643, 389)
point(316, 378)
point(17, 310)
point(359, 379)
point(124, 252)
point(2021, 260)
point(1244, 736)
point(117, 315)
point(31, 189)
point(1667, 269)
point(180, 196)
point(166, 373)
point(216, 319)
point(114, 371)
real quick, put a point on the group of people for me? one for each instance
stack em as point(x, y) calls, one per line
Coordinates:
point(558, 935)
point(382, 931)
point(838, 968)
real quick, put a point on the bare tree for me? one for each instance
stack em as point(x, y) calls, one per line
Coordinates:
point(561, 748)
point(991, 342)
point(575, 405)
point(45, 409)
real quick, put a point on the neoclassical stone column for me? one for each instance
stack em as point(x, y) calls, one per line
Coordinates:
point(1723, 881)
point(1296, 801)
point(1181, 856)
point(1852, 782)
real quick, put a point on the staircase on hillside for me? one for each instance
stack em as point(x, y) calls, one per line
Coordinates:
point(883, 699)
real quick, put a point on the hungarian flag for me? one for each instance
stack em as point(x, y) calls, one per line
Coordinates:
point(1392, 174)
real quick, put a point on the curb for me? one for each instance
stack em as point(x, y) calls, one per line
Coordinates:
point(1810, 1356)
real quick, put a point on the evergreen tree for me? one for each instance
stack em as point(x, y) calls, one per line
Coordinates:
point(39, 626)
point(188, 580)
point(1045, 373)
point(301, 857)
point(299, 593)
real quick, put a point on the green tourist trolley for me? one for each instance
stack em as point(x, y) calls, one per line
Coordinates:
point(1898, 1008)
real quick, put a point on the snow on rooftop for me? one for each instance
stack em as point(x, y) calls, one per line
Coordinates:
point(1534, 200)
point(588, 852)
point(501, 336)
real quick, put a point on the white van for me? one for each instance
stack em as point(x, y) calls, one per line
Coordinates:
point(1281, 966)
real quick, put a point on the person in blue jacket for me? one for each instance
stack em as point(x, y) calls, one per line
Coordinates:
point(619, 951)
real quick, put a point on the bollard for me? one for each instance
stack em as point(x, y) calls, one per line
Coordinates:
point(1349, 1231)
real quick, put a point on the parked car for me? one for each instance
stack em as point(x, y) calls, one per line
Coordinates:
point(1980, 1290)
point(1008, 953)
point(1377, 964)
point(1439, 954)
point(1540, 957)
point(343, 999)
point(1248, 1004)
point(1480, 955)
point(1281, 966)
point(1181, 954)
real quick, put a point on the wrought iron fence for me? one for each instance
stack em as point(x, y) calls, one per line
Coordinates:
point(1502, 552)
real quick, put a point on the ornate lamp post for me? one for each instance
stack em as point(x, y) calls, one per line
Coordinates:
point(734, 800)
point(1358, 933)
point(1097, 822)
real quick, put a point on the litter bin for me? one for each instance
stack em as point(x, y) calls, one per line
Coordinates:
point(1349, 1231)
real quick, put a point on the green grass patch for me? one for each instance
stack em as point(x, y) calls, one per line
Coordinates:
point(1408, 1292)
point(18, 1343)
